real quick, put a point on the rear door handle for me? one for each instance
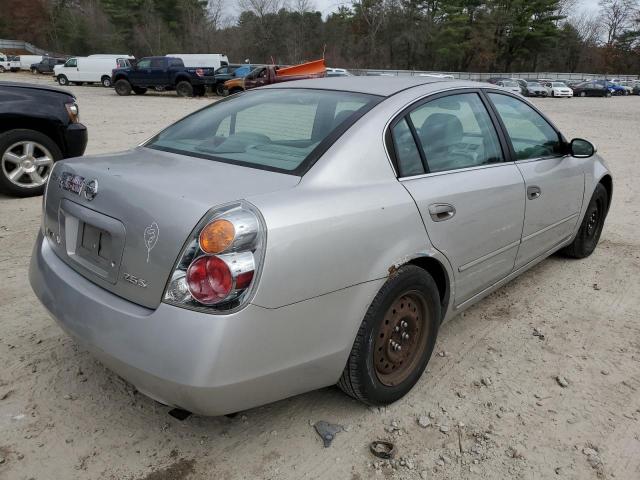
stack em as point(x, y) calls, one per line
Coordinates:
point(533, 192)
point(441, 211)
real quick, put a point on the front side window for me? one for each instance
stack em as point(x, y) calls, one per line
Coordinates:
point(456, 132)
point(271, 129)
point(71, 63)
point(146, 63)
point(530, 134)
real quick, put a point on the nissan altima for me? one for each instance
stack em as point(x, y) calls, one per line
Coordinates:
point(309, 234)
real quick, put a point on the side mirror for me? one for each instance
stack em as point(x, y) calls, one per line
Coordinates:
point(580, 148)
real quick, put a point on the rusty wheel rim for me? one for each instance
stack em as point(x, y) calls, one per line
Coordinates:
point(401, 339)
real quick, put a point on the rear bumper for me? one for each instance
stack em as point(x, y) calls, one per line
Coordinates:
point(207, 364)
point(75, 139)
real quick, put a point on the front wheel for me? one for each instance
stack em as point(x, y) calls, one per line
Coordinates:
point(220, 90)
point(589, 233)
point(26, 158)
point(184, 89)
point(123, 88)
point(395, 340)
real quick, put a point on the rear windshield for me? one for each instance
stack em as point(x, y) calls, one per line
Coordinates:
point(558, 84)
point(283, 130)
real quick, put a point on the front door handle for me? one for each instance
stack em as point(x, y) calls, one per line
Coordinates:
point(441, 211)
point(533, 192)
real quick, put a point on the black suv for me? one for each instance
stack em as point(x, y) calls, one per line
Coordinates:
point(38, 126)
point(46, 65)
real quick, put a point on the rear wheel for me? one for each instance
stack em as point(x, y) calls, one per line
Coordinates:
point(395, 340)
point(34, 71)
point(184, 89)
point(62, 80)
point(26, 158)
point(139, 90)
point(123, 87)
point(106, 81)
point(220, 89)
point(2, 70)
point(589, 233)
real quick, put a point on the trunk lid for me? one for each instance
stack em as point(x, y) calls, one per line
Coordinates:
point(126, 238)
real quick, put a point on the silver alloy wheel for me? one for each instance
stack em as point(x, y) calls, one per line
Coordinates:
point(27, 164)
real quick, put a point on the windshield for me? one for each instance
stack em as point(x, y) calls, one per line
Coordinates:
point(533, 84)
point(282, 130)
point(509, 83)
point(558, 84)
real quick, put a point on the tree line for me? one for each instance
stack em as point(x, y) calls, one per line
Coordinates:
point(442, 35)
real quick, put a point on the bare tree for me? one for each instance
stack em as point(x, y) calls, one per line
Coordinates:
point(261, 8)
point(616, 16)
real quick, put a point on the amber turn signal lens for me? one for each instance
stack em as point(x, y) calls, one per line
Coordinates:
point(217, 236)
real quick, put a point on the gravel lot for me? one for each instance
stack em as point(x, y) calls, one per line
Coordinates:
point(490, 402)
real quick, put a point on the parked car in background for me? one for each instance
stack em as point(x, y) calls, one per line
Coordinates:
point(533, 88)
point(46, 65)
point(495, 80)
point(9, 63)
point(247, 273)
point(222, 74)
point(94, 69)
point(636, 89)
point(205, 60)
point(27, 60)
point(38, 126)
point(162, 73)
point(616, 90)
point(437, 75)
point(243, 70)
point(558, 89)
point(271, 74)
point(510, 85)
point(591, 89)
point(338, 72)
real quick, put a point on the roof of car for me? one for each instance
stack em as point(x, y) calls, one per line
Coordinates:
point(378, 85)
point(35, 87)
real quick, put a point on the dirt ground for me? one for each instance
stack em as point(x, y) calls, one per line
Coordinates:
point(490, 405)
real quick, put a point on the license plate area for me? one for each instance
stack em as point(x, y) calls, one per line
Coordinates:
point(92, 241)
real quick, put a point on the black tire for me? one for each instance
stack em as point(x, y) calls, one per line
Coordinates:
point(361, 378)
point(2, 70)
point(106, 81)
point(34, 71)
point(220, 90)
point(184, 89)
point(9, 139)
point(62, 80)
point(139, 90)
point(589, 233)
point(123, 88)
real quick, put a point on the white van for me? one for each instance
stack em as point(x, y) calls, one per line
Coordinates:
point(7, 63)
point(113, 55)
point(205, 60)
point(81, 70)
point(27, 60)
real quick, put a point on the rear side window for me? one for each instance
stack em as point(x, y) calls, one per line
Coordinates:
point(453, 132)
point(407, 153)
point(275, 129)
point(159, 63)
point(530, 134)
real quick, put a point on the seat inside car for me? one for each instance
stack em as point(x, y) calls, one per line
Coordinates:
point(438, 133)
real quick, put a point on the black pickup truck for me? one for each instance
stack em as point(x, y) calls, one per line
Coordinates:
point(162, 73)
point(38, 126)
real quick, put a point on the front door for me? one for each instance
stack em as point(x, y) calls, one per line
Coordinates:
point(554, 182)
point(471, 200)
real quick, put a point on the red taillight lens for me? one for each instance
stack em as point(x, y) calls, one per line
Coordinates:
point(209, 280)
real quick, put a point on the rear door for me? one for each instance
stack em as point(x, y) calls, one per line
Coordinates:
point(450, 158)
point(554, 181)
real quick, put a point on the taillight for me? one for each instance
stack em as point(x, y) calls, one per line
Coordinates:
point(220, 264)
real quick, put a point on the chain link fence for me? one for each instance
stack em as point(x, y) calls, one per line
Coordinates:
point(486, 76)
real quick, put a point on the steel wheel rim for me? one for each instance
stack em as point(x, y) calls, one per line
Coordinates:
point(27, 160)
point(401, 339)
point(593, 222)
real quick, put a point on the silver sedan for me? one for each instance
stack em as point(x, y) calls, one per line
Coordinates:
point(309, 234)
